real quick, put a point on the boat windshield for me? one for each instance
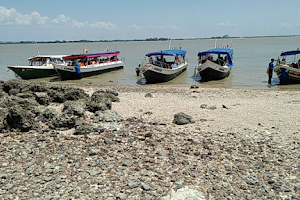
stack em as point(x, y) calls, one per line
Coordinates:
point(168, 62)
point(220, 59)
point(290, 60)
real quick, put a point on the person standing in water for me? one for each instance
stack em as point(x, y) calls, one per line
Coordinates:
point(270, 71)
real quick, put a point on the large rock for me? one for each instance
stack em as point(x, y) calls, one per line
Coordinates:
point(19, 118)
point(3, 114)
point(112, 95)
point(182, 118)
point(42, 98)
point(74, 107)
point(74, 94)
point(107, 116)
point(63, 121)
point(99, 102)
point(13, 84)
point(184, 194)
point(83, 128)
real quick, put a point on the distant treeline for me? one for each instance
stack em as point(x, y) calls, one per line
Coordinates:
point(147, 39)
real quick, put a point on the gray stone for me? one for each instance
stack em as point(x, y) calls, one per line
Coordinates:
point(182, 118)
point(145, 187)
point(121, 196)
point(107, 116)
point(133, 184)
point(94, 172)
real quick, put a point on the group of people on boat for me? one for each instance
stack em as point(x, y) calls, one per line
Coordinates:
point(94, 61)
point(219, 60)
point(161, 62)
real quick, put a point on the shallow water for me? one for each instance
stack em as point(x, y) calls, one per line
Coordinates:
point(251, 58)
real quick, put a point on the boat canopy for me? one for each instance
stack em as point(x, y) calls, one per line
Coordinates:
point(41, 57)
point(91, 55)
point(288, 53)
point(169, 52)
point(227, 51)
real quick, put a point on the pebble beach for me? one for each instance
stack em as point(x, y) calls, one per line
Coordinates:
point(242, 144)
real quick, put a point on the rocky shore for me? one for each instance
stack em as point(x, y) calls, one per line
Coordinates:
point(124, 142)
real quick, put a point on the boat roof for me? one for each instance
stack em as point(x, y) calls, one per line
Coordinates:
point(92, 55)
point(39, 57)
point(169, 52)
point(288, 53)
point(227, 51)
point(217, 51)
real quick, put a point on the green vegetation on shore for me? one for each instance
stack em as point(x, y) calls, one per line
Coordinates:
point(147, 39)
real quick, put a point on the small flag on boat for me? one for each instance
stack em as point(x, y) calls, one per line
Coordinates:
point(85, 50)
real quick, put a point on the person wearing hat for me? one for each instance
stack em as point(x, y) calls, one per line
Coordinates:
point(270, 70)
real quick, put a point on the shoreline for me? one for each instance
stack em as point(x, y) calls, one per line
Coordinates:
point(243, 145)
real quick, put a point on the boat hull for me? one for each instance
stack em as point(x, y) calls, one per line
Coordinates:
point(211, 71)
point(155, 74)
point(287, 74)
point(70, 73)
point(27, 72)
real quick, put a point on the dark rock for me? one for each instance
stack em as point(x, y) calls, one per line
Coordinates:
point(14, 92)
point(49, 113)
point(42, 98)
point(3, 114)
point(19, 118)
point(56, 96)
point(74, 94)
point(25, 95)
point(107, 116)
point(149, 95)
point(63, 121)
point(99, 103)
point(74, 107)
point(83, 128)
point(181, 119)
point(13, 84)
point(105, 94)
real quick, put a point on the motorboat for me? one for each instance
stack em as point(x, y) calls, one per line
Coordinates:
point(287, 67)
point(85, 65)
point(215, 64)
point(163, 66)
point(39, 66)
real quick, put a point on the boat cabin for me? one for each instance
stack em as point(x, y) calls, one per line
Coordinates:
point(45, 60)
point(290, 58)
point(169, 59)
point(222, 57)
point(91, 59)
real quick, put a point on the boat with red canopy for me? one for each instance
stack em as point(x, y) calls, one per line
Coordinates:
point(85, 65)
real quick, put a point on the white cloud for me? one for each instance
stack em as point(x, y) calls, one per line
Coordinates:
point(11, 17)
point(134, 26)
point(227, 24)
point(104, 25)
point(286, 25)
point(62, 19)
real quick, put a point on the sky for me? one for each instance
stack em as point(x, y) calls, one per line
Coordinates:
point(51, 20)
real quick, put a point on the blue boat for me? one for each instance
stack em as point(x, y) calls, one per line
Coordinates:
point(288, 67)
point(163, 66)
point(215, 64)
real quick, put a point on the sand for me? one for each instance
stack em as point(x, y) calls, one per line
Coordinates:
point(236, 110)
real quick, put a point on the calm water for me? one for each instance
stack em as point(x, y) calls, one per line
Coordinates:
point(251, 58)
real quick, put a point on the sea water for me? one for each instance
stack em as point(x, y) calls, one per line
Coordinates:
point(251, 58)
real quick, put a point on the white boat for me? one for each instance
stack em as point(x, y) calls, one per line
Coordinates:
point(85, 65)
point(39, 66)
point(288, 68)
point(215, 64)
point(158, 69)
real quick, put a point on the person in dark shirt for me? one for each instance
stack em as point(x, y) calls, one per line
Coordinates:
point(271, 67)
